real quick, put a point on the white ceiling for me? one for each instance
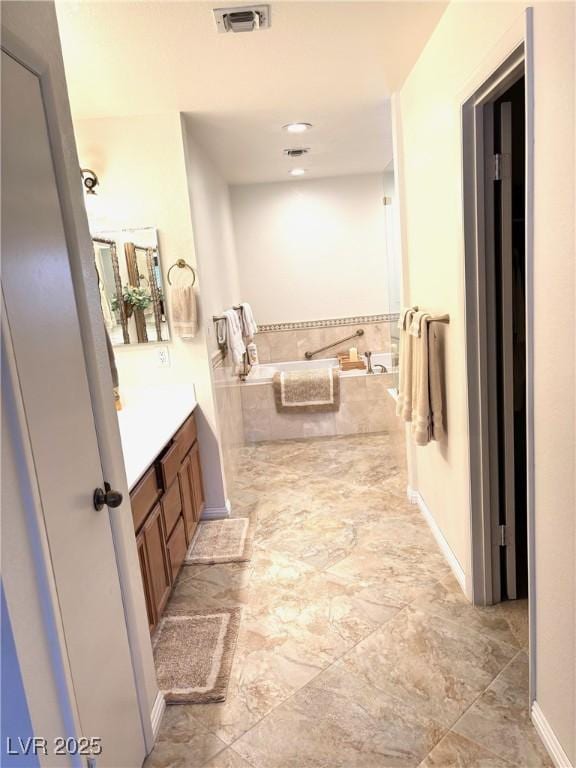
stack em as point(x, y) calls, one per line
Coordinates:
point(333, 64)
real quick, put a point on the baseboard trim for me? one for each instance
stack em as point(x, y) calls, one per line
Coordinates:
point(549, 739)
point(156, 714)
point(414, 497)
point(217, 513)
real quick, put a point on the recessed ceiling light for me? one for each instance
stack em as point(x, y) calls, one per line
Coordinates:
point(297, 171)
point(297, 127)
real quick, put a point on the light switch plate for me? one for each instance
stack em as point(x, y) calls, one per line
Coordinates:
point(163, 357)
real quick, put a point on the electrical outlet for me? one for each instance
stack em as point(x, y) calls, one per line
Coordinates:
point(163, 357)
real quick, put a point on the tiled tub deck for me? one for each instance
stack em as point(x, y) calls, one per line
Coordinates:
point(366, 405)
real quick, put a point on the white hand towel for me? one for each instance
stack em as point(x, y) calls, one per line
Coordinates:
point(420, 379)
point(234, 335)
point(415, 327)
point(404, 403)
point(184, 313)
point(405, 318)
point(249, 327)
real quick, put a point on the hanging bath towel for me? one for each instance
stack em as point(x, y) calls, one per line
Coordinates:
point(404, 402)
point(184, 314)
point(234, 336)
point(249, 327)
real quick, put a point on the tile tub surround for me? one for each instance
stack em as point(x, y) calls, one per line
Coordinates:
point(289, 341)
point(365, 406)
point(227, 389)
point(357, 647)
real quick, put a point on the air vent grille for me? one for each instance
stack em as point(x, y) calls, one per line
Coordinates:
point(248, 18)
point(296, 151)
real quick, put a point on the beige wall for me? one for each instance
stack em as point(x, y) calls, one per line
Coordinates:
point(313, 249)
point(141, 167)
point(554, 380)
point(468, 44)
point(215, 248)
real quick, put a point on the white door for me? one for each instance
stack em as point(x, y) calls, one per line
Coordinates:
point(43, 326)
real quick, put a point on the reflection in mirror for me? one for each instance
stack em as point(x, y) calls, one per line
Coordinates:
point(131, 287)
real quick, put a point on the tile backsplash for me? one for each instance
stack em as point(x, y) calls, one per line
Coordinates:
point(289, 341)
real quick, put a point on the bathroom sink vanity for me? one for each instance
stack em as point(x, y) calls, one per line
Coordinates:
point(167, 503)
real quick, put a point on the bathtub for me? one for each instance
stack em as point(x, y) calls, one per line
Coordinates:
point(262, 373)
point(365, 403)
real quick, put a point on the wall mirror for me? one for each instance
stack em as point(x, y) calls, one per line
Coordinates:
point(131, 286)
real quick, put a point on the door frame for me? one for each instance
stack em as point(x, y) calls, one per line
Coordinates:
point(48, 67)
point(477, 227)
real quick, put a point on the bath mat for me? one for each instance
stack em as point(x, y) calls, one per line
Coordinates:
point(221, 541)
point(308, 391)
point(193, 655)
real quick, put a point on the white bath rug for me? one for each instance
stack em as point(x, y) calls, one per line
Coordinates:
point(221, 541)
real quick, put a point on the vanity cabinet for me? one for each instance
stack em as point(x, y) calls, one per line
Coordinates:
point(167, 504)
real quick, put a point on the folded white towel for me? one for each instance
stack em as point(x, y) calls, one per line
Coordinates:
point(427, 419)
point(404, 402)
point(415, 328)
point(221, 332)
point(249, 327)
point(234, 336)
point(184, 313)
point(405, 318)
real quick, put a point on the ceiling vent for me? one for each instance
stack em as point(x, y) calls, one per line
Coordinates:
point(245, 18)
point(296, 152)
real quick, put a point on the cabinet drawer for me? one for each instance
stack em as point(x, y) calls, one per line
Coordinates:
point(144, 496)
point(177, 547)
point(171, 506)
point(186, 436)
point(170, 464)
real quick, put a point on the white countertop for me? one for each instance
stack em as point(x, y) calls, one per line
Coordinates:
point(147, 421)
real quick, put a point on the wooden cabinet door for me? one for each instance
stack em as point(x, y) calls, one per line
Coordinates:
point(186, 494)
point(177, 547)
point(196, 478)
point(145, 570)
point(158, 563)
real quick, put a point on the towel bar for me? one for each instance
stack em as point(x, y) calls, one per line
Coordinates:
point(182, 264)
point(435, 318)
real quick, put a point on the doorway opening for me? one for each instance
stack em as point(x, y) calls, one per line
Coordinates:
point(497, 178)
point(507, 297)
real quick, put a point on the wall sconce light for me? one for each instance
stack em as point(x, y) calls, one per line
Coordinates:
point(90, 180)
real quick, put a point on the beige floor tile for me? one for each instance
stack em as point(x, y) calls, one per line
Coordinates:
point(182, 742)
point(435, 665)
point(500, 720)
point(402, 571)
point(270, 664)
point(217, 586)
point(506, 621)
point(227, 759)
point(340, 720)
point(357, 647)
point(455, 751)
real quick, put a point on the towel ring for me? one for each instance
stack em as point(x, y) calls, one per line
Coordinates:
point(182, 265)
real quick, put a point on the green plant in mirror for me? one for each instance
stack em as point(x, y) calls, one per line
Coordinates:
point(134, 297)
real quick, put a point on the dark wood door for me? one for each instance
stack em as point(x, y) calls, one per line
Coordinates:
point(145, 570)
point(197, 486)
point(158, 562)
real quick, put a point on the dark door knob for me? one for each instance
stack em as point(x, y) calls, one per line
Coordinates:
point(106, 497)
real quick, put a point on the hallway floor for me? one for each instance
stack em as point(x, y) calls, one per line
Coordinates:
point(357, 647)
